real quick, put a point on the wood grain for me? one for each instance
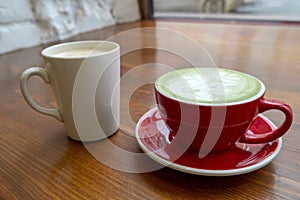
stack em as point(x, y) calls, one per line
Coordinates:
point(37, 160)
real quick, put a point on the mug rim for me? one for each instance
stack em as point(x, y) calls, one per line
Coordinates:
point(252, 98)
point(49, 51)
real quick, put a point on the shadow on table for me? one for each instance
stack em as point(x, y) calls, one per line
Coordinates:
point(182, 186)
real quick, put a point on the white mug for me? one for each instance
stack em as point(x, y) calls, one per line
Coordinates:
point(85, 77)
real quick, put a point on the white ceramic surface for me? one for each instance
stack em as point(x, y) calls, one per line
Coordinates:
point(61, 73)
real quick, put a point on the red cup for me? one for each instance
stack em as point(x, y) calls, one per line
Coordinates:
point(208, 128)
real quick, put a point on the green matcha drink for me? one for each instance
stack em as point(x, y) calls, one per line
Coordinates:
point(209, 85)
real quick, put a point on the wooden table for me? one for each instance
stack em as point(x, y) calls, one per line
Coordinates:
point(37, 160)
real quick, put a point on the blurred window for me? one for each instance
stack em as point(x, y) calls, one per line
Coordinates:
point(265, 10)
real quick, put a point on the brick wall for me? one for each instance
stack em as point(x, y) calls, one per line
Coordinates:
point(27, 23)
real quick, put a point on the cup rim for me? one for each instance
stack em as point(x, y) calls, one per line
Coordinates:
point(86, 43)
point(253, 98)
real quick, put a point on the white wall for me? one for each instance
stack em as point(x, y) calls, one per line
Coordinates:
point(27, 23)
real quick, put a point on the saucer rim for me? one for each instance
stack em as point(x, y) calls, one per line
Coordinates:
point(209, 172)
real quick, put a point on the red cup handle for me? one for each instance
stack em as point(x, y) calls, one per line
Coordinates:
point(265, 105)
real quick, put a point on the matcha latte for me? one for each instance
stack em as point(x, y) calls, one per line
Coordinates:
point(209, 86)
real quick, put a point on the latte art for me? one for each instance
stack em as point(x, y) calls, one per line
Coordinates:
point(208, 85)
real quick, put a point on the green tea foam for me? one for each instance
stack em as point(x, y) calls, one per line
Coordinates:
point(208, 85)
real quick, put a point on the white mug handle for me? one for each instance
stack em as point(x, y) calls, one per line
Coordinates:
point(38, 71)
